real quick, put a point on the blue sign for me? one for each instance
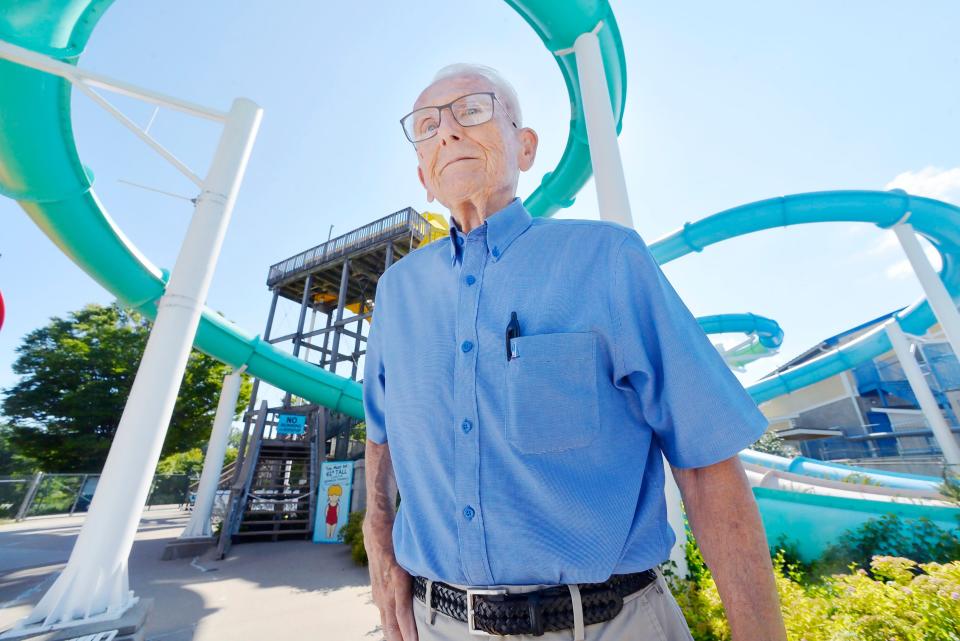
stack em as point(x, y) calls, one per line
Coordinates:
point(333, 500)
point(291, 423)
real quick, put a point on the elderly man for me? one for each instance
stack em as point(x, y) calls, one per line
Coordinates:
point(522, 383)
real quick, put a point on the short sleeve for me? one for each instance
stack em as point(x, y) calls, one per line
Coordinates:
point(374, 381)
point(699, 412)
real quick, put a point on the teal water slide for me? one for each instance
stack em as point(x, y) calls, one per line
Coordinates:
point(765, 333)
point(40, 168)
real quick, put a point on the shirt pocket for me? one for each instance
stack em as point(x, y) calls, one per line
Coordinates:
point(552, 402)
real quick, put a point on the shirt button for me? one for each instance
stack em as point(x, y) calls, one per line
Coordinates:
point(466, 346)
point(496, 252)
point(468, 512)
point(467, 425)
point(471, 280)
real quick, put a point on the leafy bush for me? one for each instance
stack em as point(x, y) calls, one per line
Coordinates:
point(888, 597)
point(920, 540)
point(55, 494)
point(950, 488)
point(858, 478)
point(352, 534)
point(190, 462)
point(895, 599)
point(771, 443)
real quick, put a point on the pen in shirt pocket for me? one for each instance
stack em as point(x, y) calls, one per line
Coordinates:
point(513, 331)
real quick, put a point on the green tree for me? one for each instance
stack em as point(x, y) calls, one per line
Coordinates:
point(771, 443)
point(13, 463)
point(75, 376)
point(191, 462)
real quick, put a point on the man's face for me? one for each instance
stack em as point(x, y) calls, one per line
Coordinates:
point(461, 163)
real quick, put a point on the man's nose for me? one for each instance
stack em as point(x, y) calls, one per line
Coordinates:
point(449, 128)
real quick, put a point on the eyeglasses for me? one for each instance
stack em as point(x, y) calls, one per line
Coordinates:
point(469, 110)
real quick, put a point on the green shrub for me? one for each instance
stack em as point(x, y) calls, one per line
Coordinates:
point(772, 443)
point(950, 488)
point(352, 534)
point(918, 539)
point(789, 553)
point(891, 598)
point(858, 478)
point(190, 462)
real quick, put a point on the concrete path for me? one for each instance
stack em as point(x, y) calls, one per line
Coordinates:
point(289, 590)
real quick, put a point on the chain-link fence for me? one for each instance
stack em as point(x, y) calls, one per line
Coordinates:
point(12, 493)
point(42, 494)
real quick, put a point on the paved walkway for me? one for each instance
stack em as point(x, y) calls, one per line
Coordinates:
point(288, 590)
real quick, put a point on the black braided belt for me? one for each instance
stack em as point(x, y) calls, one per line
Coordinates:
point(543, 610)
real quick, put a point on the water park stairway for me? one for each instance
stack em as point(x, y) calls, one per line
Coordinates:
point(273, 496)
point(280, 503)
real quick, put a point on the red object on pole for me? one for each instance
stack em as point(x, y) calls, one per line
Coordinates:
point(1, 310)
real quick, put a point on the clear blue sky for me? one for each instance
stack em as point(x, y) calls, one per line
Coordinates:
point(726, 104)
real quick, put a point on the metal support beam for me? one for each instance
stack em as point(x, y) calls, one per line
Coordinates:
point(303, 316)
point(356, 343)
point(248, 415)
point(341, 303)
point(83, 483)
point(94, 586)
point(330, 327)
point(326, 339)
point(323, 417)
point(29, 496)
point(298, 336)
point(921, 389)
point(608, 173)
point(199, 524)
point(313, 324)
point(937, 295)
point(613, 205)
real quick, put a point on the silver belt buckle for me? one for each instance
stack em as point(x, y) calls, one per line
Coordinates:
point(470, 621)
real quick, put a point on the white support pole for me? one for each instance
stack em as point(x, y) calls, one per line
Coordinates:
point(94, 585)
point(611, 184)
point(671, 492)
point(939, 298)
point(41, 62)
point(199, 525)
point(921, 389)
point(613, 204)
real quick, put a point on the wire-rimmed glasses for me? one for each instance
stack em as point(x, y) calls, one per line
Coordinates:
point(469, 110)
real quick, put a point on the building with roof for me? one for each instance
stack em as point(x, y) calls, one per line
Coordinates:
point(869, 415)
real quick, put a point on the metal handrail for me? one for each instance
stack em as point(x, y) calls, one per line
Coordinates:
point(386, 227)
point(224, 481)
point(241, 487)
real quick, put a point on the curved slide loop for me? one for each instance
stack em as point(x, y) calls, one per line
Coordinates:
point(767, 330)
point(40, 168)
point(764, 336)
point(937, 221)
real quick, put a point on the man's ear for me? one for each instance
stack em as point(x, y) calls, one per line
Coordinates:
point(528, 148)
point(424, 183)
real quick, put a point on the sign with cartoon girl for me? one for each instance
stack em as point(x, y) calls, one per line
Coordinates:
point(333, 504)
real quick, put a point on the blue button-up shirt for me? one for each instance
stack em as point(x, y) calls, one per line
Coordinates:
point(543, 466)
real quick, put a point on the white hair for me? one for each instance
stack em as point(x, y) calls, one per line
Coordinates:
point(503, 88)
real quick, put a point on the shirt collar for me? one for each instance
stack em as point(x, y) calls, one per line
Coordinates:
point(501, 228)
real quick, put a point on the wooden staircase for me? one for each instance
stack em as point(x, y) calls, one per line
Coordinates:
point(273, 497)
point(280, 501)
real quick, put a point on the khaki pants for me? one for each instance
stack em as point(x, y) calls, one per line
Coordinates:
point(650, 614)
